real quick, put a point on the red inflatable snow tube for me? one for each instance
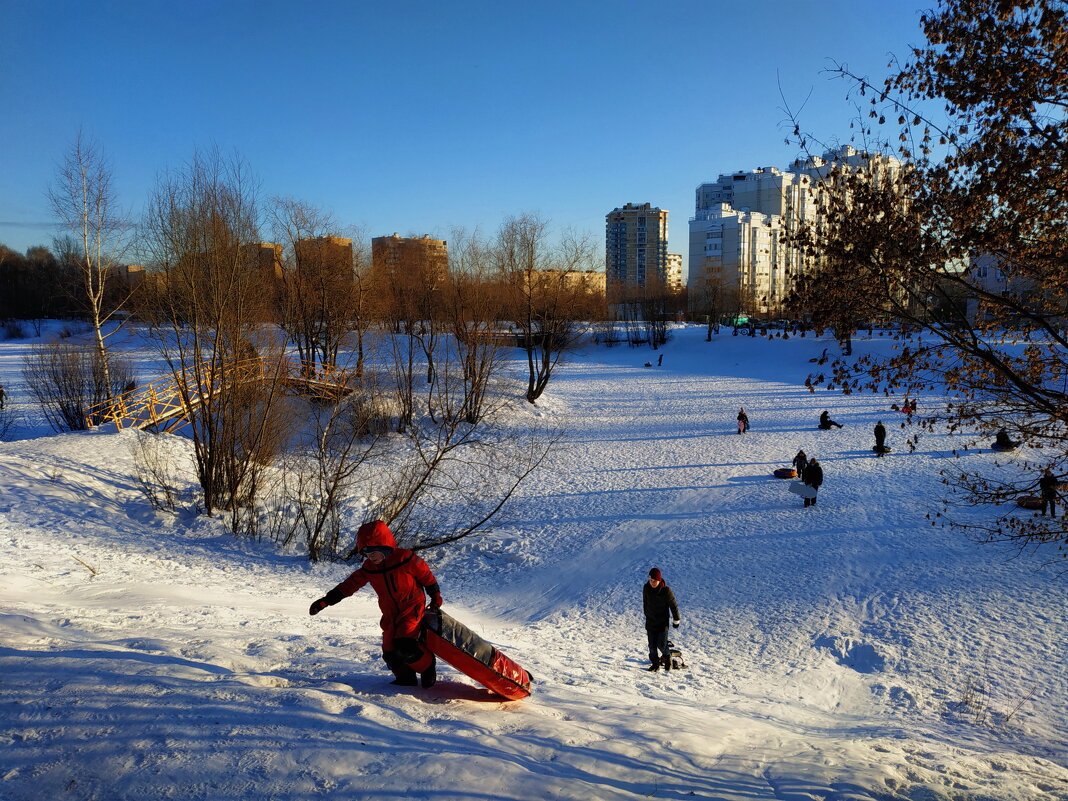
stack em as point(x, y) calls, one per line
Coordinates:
point(451, 641)
point(785, 472)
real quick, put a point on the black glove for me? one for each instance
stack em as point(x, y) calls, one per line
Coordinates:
point(329, 599)
point(435, 596)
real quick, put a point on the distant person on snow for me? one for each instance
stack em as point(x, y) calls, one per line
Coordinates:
point(3, 397)
point(743, 421)
point(399, 577)
point(658, 603)
point(813, 477)
point(1047, 486)
point(800, 462)
point(880, 439)
point(1002, 441)
point(826, 422)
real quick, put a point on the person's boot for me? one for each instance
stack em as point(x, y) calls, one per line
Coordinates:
point(430, 675)
point(653, 667)
point(666, 663)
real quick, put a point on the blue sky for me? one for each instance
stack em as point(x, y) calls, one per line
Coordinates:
point(417, 117)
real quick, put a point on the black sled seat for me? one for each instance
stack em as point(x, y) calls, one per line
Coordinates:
point(451, 641)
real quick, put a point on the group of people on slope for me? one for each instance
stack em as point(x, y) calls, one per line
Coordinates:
point(810, 471)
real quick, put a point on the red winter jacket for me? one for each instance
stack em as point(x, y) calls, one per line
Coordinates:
point(399, 582)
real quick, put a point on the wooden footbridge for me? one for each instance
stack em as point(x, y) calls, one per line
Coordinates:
point(165, 404)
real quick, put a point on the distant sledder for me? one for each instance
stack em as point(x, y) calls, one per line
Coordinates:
point(826, 423)
point(743, 421)
point(1002, 442)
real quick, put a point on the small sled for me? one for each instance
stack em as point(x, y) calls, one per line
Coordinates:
point(451, 641)
point(675, 654)
point(785, 472)
point(1029, 502)
point(802, 489)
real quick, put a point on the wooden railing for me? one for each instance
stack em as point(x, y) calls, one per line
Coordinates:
point(165, 404)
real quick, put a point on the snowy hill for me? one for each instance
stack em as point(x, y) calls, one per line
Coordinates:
point(844, 651)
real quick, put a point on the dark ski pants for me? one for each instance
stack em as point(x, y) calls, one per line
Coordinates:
point(810, 501)
point(658, 646)
point(408, 658)
point(1052, 502)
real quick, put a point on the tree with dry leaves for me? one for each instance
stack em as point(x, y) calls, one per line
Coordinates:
point(981, 114)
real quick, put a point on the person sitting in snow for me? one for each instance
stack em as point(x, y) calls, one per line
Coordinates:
point(743, 421)
point(1002, 441)
point(658, 603)
point(399, 577)
point(813, 477)
point(826, 422)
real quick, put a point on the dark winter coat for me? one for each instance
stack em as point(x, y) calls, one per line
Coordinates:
point(1047, 486)
point(880, 434)
point(399, 582)
point(800, 462)
point(825, 420)
point(659, 606)
point(813, 475)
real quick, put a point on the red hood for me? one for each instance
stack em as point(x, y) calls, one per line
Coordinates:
point(376, 533)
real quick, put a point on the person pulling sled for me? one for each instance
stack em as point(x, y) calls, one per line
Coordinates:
point(658, 603)
point(399, 577)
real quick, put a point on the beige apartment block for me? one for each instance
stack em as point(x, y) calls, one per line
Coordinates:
point(674, 272)
point(329, 254)
point(409, 260)
point(267, 258)
point(636, 241)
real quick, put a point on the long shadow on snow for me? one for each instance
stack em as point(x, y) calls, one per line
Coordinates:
point(112, 726)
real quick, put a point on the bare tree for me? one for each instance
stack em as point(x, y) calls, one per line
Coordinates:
point(320, 299)
point(201, 235)
point(84, 199)
point(475, 308)
point(69, 379)
point(545, 304)
point(321, 478)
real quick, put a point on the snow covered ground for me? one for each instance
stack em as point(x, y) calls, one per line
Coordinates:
point(846, 651)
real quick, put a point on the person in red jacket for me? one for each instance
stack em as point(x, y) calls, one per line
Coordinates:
point(399, 577)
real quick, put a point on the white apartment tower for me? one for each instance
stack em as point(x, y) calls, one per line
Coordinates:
point(636, 241)
point(736, 233)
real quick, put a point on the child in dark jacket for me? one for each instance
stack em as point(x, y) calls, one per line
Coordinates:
point(658, 603)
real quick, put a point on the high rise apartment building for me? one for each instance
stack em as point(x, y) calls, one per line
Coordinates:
point(737, 248)
point(409, 260)
point(674, 272)
point(636, 241)
point(331, 255)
